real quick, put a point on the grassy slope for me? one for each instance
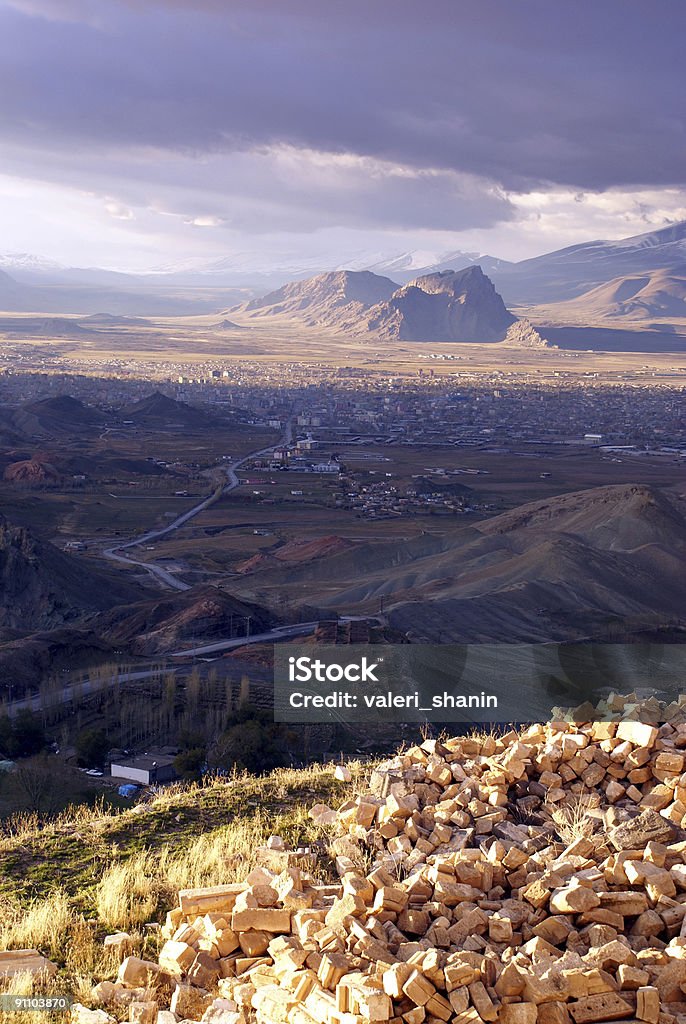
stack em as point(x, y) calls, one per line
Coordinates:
point(65, 885)
point(72, 852)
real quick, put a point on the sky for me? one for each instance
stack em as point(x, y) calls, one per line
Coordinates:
point(151, 133)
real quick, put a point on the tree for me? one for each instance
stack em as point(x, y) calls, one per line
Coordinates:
point(188, 763)
point(188, 738)
point(5, 736)
point(91, 748)
point(251, 740)
point(41, 782)
point(25, 736)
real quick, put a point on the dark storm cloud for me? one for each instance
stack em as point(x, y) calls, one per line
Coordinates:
point(520, 94)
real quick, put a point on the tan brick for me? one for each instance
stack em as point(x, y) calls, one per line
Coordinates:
point(261, 919)
point(605, 1006)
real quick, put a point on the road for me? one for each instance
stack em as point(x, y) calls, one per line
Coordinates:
point(163, 575)
point(271, 636)
point(84, 686)
point(279, 633)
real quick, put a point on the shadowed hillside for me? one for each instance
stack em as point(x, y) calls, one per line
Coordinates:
point(42, 587)
point(550, 569)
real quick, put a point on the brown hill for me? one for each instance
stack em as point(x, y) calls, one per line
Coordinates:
point(41, 326)
point(57, 416)
point(337, 299)
point(160, 409)
point(296, 552)
point(26, 660)
point(653, 295)
point(33, 472)
point(523, 334)
point(570, 272)
point(182, 620)
point(556, 569)
point(227, 325)
point(455, 305)
point(113, 320)
point(42, 587)
point(552, 569)
point(448, 306)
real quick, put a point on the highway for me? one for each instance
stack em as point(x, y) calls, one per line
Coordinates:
point(84, 686)
point(80, 687)
point(278, 633)
point(271, 636)
point(163, 575)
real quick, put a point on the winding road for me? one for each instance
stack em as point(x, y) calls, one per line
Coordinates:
point(163, 575)
point(83, 686)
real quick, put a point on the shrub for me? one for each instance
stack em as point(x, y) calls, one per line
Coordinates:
point(91, 748)
point(251, 741)
point(22, 736)
point(188, 763)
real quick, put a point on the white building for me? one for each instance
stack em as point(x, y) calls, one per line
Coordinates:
point(146, 769)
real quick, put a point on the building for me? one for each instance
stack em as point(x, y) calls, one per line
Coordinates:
point(146, 769)
point(307, 444)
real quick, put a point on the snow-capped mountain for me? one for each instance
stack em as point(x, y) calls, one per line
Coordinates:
point(259, 270)
point(215, 283)
point(14, 262)
point(405, 267)
point(567, 273)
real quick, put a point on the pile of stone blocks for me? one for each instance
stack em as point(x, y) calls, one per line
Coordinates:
point(536, 877)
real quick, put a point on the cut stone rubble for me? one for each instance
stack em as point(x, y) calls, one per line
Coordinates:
point(534, 878)
point(25, 961)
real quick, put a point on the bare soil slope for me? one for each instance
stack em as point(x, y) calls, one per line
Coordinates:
point(42, 587)
point(550, 569)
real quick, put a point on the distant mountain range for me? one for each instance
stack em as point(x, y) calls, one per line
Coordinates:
point(32, 284)
point(648, 296)
point(459, 306)
point(254, 270)
point(568, 273)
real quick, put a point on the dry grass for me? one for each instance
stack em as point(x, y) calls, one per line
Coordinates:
point(132, 891)
point(128, 893)
point(220, 857)
point(53, 927)
point(131, 864)
point(575, 818)
point(41, 925)
point(27, 985)
point(84, 817)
